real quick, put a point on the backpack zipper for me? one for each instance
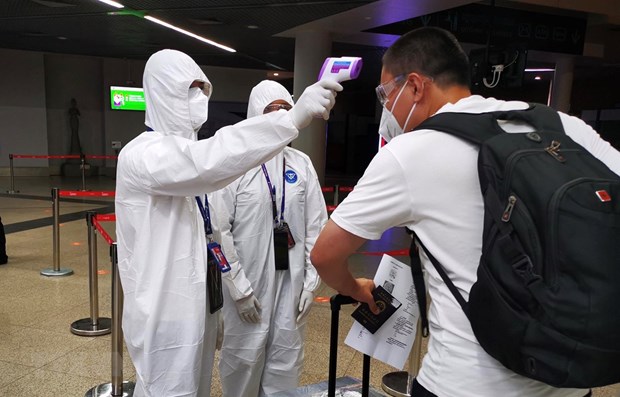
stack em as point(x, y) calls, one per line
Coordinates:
point(512, 159)
point(532, 232)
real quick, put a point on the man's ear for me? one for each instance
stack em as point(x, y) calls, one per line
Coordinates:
point(416, 81)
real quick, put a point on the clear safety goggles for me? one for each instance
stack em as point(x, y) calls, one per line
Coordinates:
point(384, 90)
point(205, 86)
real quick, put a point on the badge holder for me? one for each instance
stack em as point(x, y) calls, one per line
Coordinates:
point(214, 282)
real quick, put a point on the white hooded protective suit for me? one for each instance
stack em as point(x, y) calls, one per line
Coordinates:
point(267, 357)
point(168, 329)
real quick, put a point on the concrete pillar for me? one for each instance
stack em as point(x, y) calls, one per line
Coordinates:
point(562, 83)
point(311, 49)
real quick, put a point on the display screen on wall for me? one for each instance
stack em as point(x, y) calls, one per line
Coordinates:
point(127, 98)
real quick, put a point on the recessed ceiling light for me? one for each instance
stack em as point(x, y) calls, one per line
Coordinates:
point(112, 3)
point(61, 38)
point(252, 27)
point(276, 74)
point(537, 78)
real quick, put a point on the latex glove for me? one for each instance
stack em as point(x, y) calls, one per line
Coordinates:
point(316, 101)
point(248, 308)
point(306, 299)
point(220, 330)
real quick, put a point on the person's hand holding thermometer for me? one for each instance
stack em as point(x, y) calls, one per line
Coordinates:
point(318, 99)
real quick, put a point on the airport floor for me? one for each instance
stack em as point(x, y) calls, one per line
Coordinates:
point(40, 357)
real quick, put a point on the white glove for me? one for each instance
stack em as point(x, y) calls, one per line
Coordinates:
point(305, 303)
point(220, 330)
point(316, 101)
point(248, 308)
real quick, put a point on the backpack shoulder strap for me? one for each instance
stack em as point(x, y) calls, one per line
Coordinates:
point(479, 127)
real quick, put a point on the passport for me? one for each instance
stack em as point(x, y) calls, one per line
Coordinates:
point(387, 305)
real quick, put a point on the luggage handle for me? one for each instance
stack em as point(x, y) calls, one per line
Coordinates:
point(336, 301)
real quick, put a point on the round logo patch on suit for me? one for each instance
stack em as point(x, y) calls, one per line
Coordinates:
point(290, 176)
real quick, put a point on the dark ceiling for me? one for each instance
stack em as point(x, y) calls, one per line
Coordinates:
point(86, 27)
point(262, 31)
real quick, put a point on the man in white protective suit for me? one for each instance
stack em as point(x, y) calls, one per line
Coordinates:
point(270, 287)
point(168, 326)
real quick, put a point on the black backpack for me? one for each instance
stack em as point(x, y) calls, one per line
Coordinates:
point(546, 303)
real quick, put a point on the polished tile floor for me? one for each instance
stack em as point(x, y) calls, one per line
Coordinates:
point(40, 357)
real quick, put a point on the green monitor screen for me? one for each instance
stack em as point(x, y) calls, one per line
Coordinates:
point(127, 98)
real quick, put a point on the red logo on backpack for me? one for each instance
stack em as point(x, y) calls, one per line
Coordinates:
point(603, 196)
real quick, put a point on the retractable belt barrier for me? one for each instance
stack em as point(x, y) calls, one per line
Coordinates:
point(94, 325)
point(117, 387)
point(56, 194)
point(82, 159)
point(336, 190)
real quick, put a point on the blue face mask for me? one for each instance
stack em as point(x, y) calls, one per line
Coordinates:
point(389, 126)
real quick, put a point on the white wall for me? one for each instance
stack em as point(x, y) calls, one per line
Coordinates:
point(23, 122)
point(38, 88)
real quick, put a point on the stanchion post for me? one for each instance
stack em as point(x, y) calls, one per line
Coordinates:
point(117, 387)
point(336, 189)
point(56, 270)
point(95, 325)
point(12, 175)
point(83, 168)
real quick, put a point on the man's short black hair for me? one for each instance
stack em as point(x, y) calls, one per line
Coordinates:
point(430, 51)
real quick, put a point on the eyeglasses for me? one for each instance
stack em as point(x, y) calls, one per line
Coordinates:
point(274, 107)
point(384, 90)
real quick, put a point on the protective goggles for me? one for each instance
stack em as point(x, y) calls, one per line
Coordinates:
point(274, 107)
point(384, 90)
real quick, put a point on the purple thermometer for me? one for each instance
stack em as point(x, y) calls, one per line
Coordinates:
point(341, 69)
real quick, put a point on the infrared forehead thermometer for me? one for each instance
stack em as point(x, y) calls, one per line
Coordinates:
point(341, 69)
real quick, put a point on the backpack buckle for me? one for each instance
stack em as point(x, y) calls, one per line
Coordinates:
point(525, 269)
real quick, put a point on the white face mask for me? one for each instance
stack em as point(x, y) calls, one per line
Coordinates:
point(198, 107)
point(389, 126)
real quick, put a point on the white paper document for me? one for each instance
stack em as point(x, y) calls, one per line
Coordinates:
point(393, 341)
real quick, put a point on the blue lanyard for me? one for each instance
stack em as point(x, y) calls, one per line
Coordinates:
point(206, 216)
point(272, 191)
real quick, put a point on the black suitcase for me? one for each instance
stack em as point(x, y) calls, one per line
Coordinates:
point(335, 302)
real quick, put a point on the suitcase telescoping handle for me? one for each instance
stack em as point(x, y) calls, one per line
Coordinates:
point(335, 302)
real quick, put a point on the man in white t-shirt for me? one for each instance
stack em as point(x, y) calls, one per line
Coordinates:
point(428, 182)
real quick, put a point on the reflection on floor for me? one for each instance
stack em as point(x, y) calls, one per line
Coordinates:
point(39, 356)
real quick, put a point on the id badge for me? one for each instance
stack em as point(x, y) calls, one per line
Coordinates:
point(215, 250)
point(281, 246)
point(214, 284)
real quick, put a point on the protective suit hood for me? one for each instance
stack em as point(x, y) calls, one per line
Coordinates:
point(167, 77)
point(263, 94)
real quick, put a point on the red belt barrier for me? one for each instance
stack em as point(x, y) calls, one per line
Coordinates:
point(105, 217)
point(331, 208)
point(403, 252)
point(327, 189)
point(36, 156)
point(80, 193)
point(96, 156)
point(345, 189)
point(102, 231)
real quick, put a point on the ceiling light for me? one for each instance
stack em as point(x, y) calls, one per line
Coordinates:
point(112, 3)
point(539, 70)
point(190, 34)
point(276, 74)
point(537, 78)
point(252, 27)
